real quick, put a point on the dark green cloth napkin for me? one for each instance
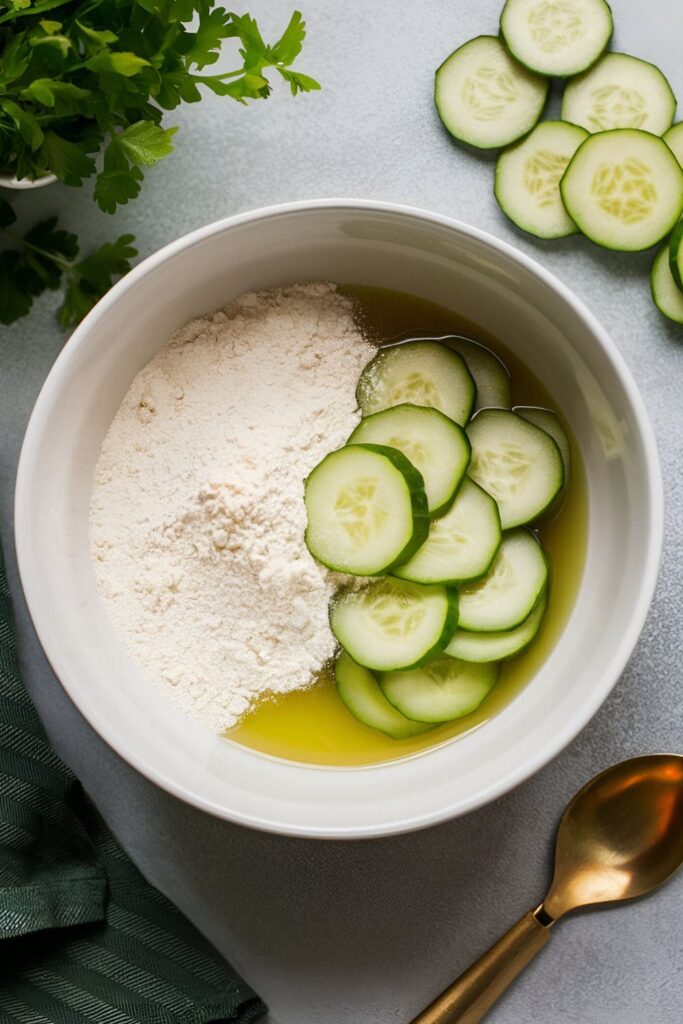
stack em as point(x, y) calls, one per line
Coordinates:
point(83, 938)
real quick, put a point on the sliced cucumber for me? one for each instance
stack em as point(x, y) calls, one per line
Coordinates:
point(667, 296)
point(392, 624)
point(420, 373)
point(554, 38)
point(444, 689)
point(676, 254)
point(620, 91)
point(516, 463)
point(490, 375)
point(498, 646)
point(360, 692)
point(527, 181)
point(624, 189)
point(461, 545)
point(504, 598)
point(486, 98)
point(367, 510)
point(432, 442)
point(674, 140)
point(549, 421)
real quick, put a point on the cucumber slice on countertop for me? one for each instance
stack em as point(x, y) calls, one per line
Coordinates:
point(516, 463)
point(444, 689)
point(392, 624)
point(620, 91)
point(461, 545)
point(676, 254)
point(527, 179)
point(484, 97)
point(623, 189)
point(667, 296)
point(490, 375)
point(360, 692)
point(366, 508)
point(509, 592)
point(432, 442)
point(557, 39)
point(674, 140)
point(549, 421)
point(498, 646)
point(419, 373)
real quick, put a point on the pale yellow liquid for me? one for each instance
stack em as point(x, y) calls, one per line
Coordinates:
point(313, 725)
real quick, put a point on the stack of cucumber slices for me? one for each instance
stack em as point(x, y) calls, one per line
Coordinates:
point(611, 168)
point(427, 508)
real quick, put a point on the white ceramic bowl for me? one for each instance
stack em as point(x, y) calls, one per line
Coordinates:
point(22, 184)
point(375, 244)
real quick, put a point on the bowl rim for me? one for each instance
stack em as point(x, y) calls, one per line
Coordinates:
point(25, 184)
point(528, 765)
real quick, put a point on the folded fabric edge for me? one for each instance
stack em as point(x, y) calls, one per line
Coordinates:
point(240, 1006)
point(31, 908)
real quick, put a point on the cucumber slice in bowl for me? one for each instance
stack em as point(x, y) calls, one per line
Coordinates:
point(624, 189)
point(516, 463)
point(461, 545)
point(432, 442)
point(667, 296)
point(392, 624)
point(419, 373)
point(674, 140)
point(620, 91)
point(527, 180)
point(484, 97)
point(490, 375)
point(510, 590)
point(444, 689)
point(676, 254)
point(549, 421)
point(359, 691)
point(557, 39)
point(497, 646)
point(366, 508)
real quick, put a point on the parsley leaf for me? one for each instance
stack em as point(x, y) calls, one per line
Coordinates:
point(29, 129)
point(45, 236)
point(118, 181)
point(206, 41)
point(288, 48)
point(126, 64)
point(47, 256)
point(67, 159)
point(88, 280)
point(298, 82)
point(145, 142)
point(63, 98)
point(15, 300)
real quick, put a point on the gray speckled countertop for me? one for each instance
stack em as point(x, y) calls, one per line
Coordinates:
point(368, 932)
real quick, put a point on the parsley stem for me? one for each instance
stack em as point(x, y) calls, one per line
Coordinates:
point(34, 248)
point(226, 74)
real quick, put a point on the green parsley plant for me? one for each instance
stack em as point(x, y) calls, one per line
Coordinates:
point(99, 74)
point(77, 78)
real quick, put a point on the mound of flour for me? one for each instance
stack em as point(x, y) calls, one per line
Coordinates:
point(197, 517)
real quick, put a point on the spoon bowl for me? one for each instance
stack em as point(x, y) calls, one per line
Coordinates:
point(621, 836)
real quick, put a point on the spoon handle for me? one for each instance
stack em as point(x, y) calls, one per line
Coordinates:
point(470, 998)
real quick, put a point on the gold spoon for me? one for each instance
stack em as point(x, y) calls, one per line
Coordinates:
point(620, 837)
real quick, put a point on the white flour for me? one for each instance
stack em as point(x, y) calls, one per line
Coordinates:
point(197, 516)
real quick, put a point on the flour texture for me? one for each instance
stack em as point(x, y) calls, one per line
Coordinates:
point(197, 517)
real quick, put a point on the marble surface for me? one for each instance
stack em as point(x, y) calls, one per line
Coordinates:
point(370, 931)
